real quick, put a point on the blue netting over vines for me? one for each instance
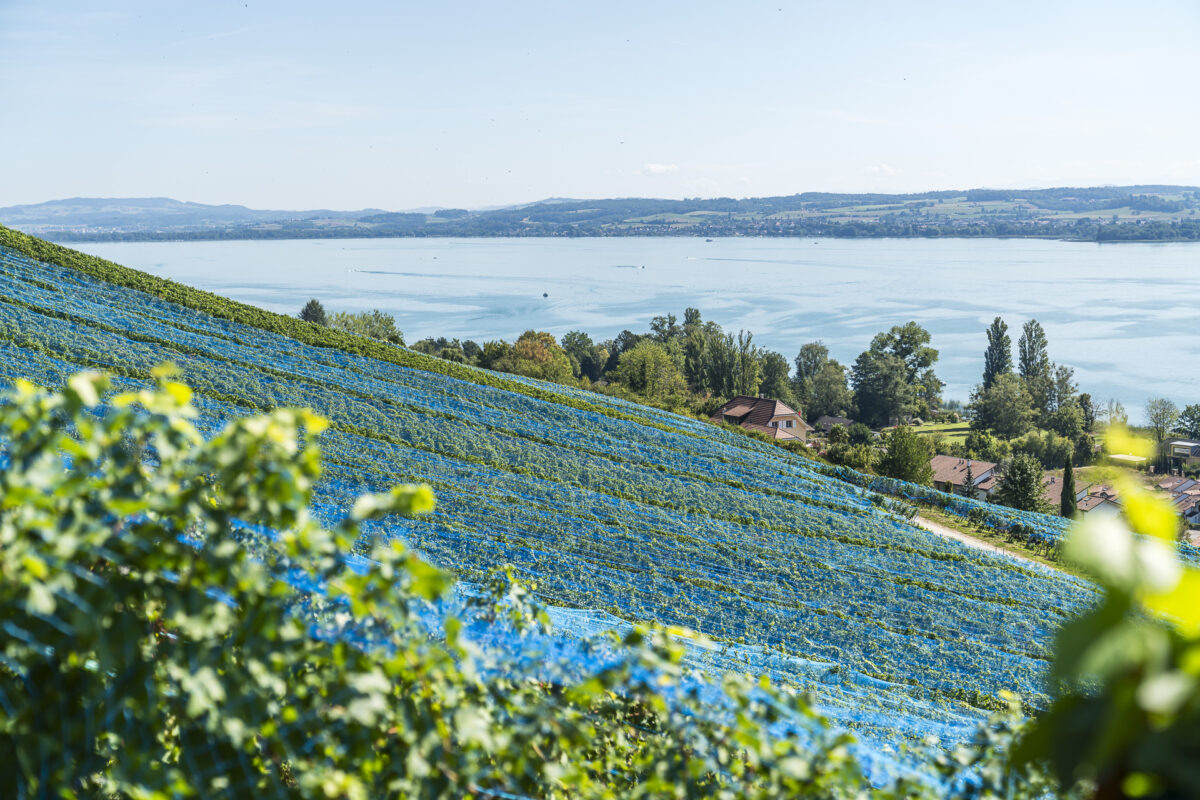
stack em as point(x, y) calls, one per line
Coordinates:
point(897, 632)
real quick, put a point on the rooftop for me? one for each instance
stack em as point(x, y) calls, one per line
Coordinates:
point(952, 470)
point(755, 413)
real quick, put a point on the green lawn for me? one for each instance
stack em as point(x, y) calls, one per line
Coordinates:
point(955, 432)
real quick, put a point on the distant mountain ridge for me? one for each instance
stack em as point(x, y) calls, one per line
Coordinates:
point(149, 213)
point(1106, 213)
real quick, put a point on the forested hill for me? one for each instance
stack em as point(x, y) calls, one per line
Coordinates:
point(1116, 213)
point(619, 512)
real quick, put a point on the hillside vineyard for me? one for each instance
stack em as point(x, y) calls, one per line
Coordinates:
point(618, 512)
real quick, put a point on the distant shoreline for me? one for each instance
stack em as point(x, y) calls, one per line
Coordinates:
point(1157, 213)
point(219, 236)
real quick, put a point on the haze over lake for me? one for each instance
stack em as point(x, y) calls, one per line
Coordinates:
point(1126, 317)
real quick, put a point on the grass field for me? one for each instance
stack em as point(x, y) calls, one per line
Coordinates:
point(954, 432)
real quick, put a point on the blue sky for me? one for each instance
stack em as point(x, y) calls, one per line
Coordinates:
point(399, 105)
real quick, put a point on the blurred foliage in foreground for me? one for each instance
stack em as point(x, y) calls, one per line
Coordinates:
point(1127, 718)
point(158, 644)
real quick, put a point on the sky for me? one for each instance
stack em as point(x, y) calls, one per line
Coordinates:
point(400, 105)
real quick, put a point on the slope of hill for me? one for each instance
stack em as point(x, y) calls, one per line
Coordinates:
point(81, 215)
point(619, 512)
point(1108, 213)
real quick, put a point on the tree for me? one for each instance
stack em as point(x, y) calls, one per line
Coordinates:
point(1114, 412)
point(1089, 412)
point(881, 389)
point(910, 343)
point(886, 392)
point(907, 457)
point(1162, 414)
point(854, 456)
point(576, 344)
point(1062, 387)
point(809, 361)
point(839, 435)
point(1033, 358)
point(830, 395)
point(494, 353)
point(775, 383)
point(747, 377)
point(1034, 365)
point(695, 358)
point(1189, 421)
point(587, 359)
point(1047, 447)
point(649, 370)
point(536, 354)
point(984, 446)
point(436, 347)
point(618, 345)
point(1066, 421)
point(314, 312)
point(1067, 506)
point(664, 328)
point(373, 324)
point(997, 359)
point(1021, 484)
point(969, 482)
point(1004, 408)
point(859, 434)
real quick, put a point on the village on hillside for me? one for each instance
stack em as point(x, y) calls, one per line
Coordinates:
point(981, 479)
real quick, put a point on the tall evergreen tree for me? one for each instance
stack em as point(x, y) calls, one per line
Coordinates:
point(1033, 355)
point(314, 312)
point(1189, 421)
point(969, 481)
point(997, 359)
point(1067, 507)
point(1033, 361)
point(1021, 484)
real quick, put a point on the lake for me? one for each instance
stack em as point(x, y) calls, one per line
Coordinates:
point(1125, 316)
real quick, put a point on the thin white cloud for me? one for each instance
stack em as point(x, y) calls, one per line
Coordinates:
point(886, 170)
point(658, 169)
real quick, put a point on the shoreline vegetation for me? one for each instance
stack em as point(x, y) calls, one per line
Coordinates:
point(1154, 213)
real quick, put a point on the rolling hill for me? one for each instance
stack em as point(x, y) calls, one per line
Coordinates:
point(1106, 213)
point(619, 512)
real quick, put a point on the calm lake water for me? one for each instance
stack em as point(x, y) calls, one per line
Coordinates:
point(1125, 316)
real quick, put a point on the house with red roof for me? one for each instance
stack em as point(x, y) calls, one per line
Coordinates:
point(762, 414)
point(950, 475)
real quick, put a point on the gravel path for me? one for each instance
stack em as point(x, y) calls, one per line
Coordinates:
point(970, 541)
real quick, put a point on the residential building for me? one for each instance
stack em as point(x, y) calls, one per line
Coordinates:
point(1182, 452)
point(762, 414)
point(825, 424)
point(1099, 499)
point(1052, 487)
point(1184, 494)
point(1100, 505)
point(950, 475)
